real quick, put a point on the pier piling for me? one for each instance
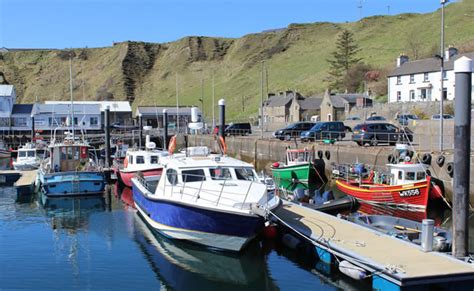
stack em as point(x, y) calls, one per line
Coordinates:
point(140, 131)
point(462, 142)
point(222, 118)
point(165, 129)
point(107, 137)
point(32, 128)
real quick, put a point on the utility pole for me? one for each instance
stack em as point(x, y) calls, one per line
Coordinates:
point(202, 98)
point(441, 100)
point(261, 101)
point(177, 105)
point(213, 104)
point(360, 9)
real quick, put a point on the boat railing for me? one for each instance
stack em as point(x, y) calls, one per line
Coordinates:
point(220, 194)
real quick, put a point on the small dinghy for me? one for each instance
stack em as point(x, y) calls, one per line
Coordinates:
point(405, 229)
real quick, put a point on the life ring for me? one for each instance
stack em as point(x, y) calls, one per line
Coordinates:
point(440, 161)
point(222, 145)
point(426, 159)
point(172, 146)
point(320, 154)
point(327, 154)
point(450, 169)
point(391, 159)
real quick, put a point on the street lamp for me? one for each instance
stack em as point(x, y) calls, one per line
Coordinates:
point(441, 56)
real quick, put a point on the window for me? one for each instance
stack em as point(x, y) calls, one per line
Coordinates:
point(420, 175)
point(63, 120)
point(410, 176)
point(399, 80)
point(400, 175)
point(172, 175)
point(69, 153)
point(76, 153)
point(245, 174)
point(31, 154)
point(130, 159)
point(445, 75)
point(196, 175)
point(220, 173)
point(445, 93)
point(412, 78)
point(22, 154)
point(412, 94)
point(94, 120)
point(154, 160)
point(140, 160)
point(63, 153)
point(399, 96)
point(19, 121)
point(426, 77)
point(424, 94)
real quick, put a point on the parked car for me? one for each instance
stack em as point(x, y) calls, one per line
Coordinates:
point(238, 129)
point(325, 130)
point(216, 129)
point(293, 130)
point(403, 119)
point(353, 118)
point(375, 133)
point(375, 118)
point(445, 116)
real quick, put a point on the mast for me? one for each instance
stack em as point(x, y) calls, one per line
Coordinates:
point(177, 105)
point(70, 89)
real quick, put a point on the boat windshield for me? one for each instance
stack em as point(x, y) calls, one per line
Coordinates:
point(31, 154)
point(22, 154)
point(245, 174)
point(220, 173)
point(300, 156)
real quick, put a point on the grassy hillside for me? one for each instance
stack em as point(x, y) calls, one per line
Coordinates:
point(295, 57)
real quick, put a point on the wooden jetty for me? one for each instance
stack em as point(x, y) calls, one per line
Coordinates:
point(393, 263)
point(25, 185)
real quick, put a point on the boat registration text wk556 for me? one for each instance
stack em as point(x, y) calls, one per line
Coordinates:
point(409, 193)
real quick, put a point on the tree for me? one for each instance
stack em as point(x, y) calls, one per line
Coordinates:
point(343, 58)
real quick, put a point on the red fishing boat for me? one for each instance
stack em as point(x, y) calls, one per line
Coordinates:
point(407, 185)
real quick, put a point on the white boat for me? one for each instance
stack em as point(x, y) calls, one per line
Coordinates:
point(209, 199)
point(28, 158)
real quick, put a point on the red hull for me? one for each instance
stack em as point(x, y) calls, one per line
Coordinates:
point(126, 177)
point(410, 195)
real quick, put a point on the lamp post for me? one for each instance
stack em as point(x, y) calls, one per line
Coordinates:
point(441, 99)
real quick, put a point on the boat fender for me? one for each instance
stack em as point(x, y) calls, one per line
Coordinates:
point(440, 244)
point(426, 159)
point(275, 165)
point(440, 161)
point(320, 154)
point(352, 270)
point(391, 159)
point(327, 154)
point(328, 196)
point(290, 241)
point(222, 145)
point(450, 169)
point(172, 145)
point(270, 232)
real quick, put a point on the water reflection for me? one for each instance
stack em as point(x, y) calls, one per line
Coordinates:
point(184, 266)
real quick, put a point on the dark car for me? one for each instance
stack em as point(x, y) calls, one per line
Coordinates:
point(375, 118)
point(375, 133)
point(293, 130)
point(325, 130)
point(238, 129)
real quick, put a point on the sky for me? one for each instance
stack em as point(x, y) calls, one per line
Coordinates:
point(98, 23)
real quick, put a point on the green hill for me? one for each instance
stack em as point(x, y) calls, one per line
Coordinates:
point(295, 57)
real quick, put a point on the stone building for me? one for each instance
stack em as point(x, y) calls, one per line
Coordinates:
point(337, 106)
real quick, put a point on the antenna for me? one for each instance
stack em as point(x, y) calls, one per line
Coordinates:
point(388, 9)
point(360, 6)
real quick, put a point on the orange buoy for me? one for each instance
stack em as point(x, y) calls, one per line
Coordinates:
point(222, 144)
point(172, 146)
point(125, 162)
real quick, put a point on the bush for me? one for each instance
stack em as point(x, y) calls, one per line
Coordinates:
point(420, 113)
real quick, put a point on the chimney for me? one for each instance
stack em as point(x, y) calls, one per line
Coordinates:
point(401, 60)
point(450, 52)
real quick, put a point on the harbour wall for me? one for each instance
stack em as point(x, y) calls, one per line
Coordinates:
point(262, 153)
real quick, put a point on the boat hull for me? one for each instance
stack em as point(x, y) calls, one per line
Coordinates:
point(292, 177)
point(25, 166)
point(212, 228)
point(126, 177)
point(72, 183)
point(413, 195)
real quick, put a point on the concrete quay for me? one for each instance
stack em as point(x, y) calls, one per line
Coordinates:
point(263, 152)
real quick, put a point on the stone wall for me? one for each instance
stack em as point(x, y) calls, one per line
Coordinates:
point(389, 110)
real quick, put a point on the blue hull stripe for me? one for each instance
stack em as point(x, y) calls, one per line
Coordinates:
point(196, 219)
point(73, 183)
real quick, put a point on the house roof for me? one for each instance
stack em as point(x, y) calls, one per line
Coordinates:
point(311, 103)
point(6, 90)
point(114, 106)
point(340, 100)
point(282, 99)
point(426, 65)
point(22, 109)
point(158, 110)
point(64, 109)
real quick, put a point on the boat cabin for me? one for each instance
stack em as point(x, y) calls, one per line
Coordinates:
point(406, 173)
point(299, 156)
point(69, 156)
point(143, 159)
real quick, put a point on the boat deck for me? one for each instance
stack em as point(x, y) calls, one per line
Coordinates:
point(27, 178)
point(395, 260)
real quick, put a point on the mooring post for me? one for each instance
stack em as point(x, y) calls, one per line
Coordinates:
point(462, 148)
point(222, 118)
point(107, 136)
point(140, 130)
point(32, 128)
point(165, 129)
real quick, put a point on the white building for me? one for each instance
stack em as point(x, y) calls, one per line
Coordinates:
point(420, 80)
point(7, 99)
point(51, 116)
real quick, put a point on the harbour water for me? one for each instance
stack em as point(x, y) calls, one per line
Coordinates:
point(102, 243)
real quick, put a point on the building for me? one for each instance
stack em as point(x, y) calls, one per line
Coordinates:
point(51, 116)
point(153, 115)
point(420, 80)
point(120, 111)
point(7, 99)
point(289, 107)
point(21, 118)
point(336, 107)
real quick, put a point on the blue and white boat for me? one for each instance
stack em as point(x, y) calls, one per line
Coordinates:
point(70, 169)
point(213, 200)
